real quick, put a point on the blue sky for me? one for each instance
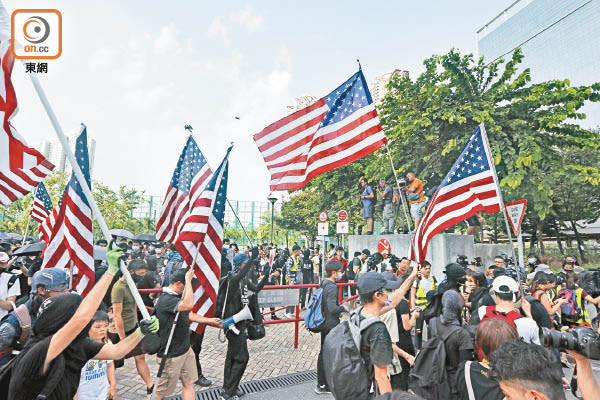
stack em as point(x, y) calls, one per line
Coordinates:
point(136, 71)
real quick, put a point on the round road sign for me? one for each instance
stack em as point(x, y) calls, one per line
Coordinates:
point(384, 247)
point(342, 215)
point(323, 216)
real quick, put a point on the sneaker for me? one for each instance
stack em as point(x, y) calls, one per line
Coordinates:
point(202, 381)
point(240, 393)
point(322, 389)
point(225, 397)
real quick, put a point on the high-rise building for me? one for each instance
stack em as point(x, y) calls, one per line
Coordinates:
point(560, 39)
point(54, 152)
point(378, 86)
point(300, 103)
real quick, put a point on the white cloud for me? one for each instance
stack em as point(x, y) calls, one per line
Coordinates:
point(167, 44)
point(246, 18)
point(218, 27)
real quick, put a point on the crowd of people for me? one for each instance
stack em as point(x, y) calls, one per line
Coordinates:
point(463, 337)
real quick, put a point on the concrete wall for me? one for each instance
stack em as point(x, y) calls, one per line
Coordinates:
point(443, 248)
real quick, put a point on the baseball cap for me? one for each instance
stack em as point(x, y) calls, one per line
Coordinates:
point(240, 259)
point(374, 281)
point(4, 258)
point(178, 276)
point(505, 284)
point(53, 279)
point(366, 252)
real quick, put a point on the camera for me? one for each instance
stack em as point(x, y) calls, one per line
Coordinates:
point(373, 261)
point(581, 339)
point(590, 281)
point(402, 181)
point(477, 262)
point(462, 261)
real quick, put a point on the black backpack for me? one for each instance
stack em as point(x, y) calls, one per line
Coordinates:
point(434, 304)
point(345, 369)
point(428, 376)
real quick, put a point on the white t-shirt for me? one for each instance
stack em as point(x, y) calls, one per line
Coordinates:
point(5, 293)
point(527, 329)
point(425, 283)
point(94, 384)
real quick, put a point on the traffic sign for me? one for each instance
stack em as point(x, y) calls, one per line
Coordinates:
point(323, 216)
point(323, 229)
point(515, 212)
point(384, 247)
point(342, 227)
point(342, 215)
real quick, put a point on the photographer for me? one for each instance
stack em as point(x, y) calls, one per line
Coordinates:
point(387, 196)
point(416, 198)
point(368, 201)
point(9, 285)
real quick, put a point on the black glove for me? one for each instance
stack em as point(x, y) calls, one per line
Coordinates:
point(254, 253)
point(266, 269)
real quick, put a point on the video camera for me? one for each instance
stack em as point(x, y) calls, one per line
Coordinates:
point(373, 261)
point(590, 281)
point(581, 339)
point(462, 261)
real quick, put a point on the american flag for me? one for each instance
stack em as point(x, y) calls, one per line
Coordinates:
point(71, 240)
point(201, 239)
point(336, 130)
point(41, 205)
point(22, 167)
point(470, 186)
point(189, 179)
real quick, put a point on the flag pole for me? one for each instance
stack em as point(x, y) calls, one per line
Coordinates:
point(190, 129)
point(402, 199)
point(86, 190)
point(488, 152)
point(29, 217)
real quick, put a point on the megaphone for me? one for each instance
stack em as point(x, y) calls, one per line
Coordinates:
point(229, 323)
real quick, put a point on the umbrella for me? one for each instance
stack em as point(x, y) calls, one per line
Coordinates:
point(99, 253)
point(121, 233)
point(30, 249)
point(145, 237)
point(15, 236)
point(3, 235)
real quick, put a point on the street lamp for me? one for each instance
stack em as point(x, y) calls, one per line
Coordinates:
point(272, 200)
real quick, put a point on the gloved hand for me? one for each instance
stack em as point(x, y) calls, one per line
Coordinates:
point(147, 326)
point(113, 255)
point(254, 253)
point(266, 269)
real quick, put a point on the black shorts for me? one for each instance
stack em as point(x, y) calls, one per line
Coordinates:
point(472, 221)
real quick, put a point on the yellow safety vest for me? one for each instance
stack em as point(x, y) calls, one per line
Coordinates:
point(421, 299)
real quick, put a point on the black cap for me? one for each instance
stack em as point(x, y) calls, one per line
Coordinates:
point(367, 252)
point(179, 275)
point(454, 270)
point(295, 247)
point(374, 281)
point(333, 266)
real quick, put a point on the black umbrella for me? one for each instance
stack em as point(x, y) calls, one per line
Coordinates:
point(30, 249)
point(145, 237)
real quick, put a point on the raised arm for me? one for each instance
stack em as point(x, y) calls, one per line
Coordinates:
point(187, 302)
point(121, 349)
point(85, 311)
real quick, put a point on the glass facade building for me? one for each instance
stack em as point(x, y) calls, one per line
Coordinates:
point(559, 38)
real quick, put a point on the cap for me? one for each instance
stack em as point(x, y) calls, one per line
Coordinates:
point(454, 270)
point(505, 284)
point(333, 266)
point(367, 252)
point(240, 259)
point(374, 281)
point(52, 279)
point(178, 276)
point(4, 257)
point(295, 247)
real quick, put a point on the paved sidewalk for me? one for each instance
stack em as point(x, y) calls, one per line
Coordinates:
point(271, 356)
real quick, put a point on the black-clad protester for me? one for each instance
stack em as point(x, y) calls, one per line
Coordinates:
point(473, 377)
point(331, 311)
point(307, 276)
point(237, 297)
point(178, 297)
point(50, 364)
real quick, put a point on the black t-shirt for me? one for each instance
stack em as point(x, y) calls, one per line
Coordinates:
point(148, 281)
point(28, 380)
point(375, 347)
point(457, 342)
point(483, 386)
point(404, 338)
point(166, 308)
